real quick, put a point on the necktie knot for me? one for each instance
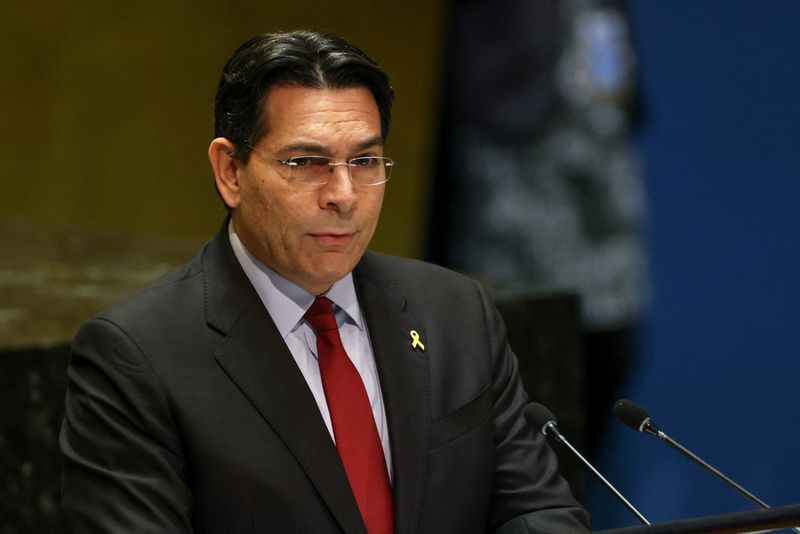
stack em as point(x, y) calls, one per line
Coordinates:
point(320, 315)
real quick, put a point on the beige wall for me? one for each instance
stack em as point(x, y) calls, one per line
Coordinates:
point(107, 107)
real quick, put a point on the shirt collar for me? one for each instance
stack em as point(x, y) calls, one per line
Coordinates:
point(287, 302)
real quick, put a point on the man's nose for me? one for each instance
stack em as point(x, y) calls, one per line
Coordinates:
point(339, 193)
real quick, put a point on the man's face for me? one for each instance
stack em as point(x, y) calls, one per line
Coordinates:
point(311, 236)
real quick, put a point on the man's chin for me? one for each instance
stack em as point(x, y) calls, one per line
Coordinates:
point(324, 278)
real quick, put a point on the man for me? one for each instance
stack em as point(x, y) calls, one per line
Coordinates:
point(287, 381)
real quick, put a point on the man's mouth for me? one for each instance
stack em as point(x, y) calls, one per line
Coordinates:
point(333, 238)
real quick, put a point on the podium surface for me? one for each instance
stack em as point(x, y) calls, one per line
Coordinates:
point(778, 517)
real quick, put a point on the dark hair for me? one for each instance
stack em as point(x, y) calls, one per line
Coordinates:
point(304, 58)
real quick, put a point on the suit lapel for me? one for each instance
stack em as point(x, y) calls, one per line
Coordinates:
point(405, 383)
point(258, 361)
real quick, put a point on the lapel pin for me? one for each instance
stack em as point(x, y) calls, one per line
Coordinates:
point(415, 342)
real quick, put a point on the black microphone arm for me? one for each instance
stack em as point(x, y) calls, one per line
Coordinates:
point(637, 418)
point(545, 421)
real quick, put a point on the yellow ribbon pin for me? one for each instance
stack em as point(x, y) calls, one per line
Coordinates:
point(415, 342)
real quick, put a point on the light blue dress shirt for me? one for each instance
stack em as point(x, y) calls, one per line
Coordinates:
point(287, 304)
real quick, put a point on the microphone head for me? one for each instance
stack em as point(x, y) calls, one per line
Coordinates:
point(631, 414)
point(539, 416)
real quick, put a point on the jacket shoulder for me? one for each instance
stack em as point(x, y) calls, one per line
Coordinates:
point(179, 289)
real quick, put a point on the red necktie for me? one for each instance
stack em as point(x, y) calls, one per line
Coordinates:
point(357, 438)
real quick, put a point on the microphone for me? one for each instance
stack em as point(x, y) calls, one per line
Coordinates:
point(637, 418)
point(538, 415)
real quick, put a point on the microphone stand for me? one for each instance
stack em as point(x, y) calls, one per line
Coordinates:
point(660, 434)
point(551, 426)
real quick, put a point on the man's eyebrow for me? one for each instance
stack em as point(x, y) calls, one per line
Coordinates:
point(305, 146)
point(369, 143)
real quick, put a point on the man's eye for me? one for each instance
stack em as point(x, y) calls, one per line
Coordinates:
point(301, 162)
point(317, 162)
point(364, 162)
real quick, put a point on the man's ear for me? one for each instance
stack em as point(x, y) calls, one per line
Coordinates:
point(226, 170)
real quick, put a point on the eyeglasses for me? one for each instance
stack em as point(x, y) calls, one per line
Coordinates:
point(317, 170)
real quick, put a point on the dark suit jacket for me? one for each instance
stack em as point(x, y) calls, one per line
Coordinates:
point(185, 412)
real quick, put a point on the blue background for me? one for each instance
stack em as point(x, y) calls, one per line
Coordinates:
point(721, 364)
